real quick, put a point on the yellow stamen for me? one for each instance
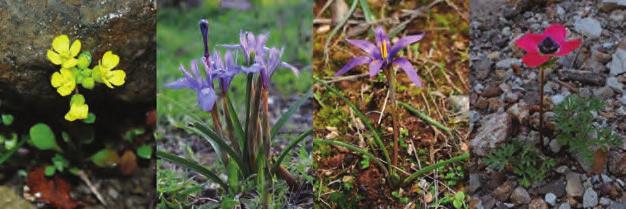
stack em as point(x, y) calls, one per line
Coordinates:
point(383, 50)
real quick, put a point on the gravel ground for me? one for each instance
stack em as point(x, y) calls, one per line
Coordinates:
point(504, 94)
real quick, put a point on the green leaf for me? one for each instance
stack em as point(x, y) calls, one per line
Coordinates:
point(354, 149)
point(233, 176)
point(424, 117)
point(437, 165)
point(59, 162)
point(49, 170)
point(133, 133)
point(192, 165)
point(217, 142)
point(369, 16)
point(7, 119)
point(145, 151)
point(233, 119)
point(66, 137)
point(8, 153)
point(292, 109)
point(366, 121)
point(10, 143)
point(91, 118)
point(291, 146)
point(42, 137)
point(105, 158)
point(84, 59)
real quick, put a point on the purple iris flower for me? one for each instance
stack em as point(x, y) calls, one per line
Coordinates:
point(202, 86)
point(269, 63)
point(380, 55)
point(224, 69)
point(251, 45)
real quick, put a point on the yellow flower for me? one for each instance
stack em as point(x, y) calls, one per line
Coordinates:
point(104, 73)
point(63, 54)
point(63, 81)
point(78, 108)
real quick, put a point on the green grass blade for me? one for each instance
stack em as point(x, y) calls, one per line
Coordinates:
point(292, 109)
point(432, 167)
point(9, 153)
point(424, 117)
point(192, 165)
point(354, 149)
point(366, 121)
point(239, 133)
point(216, 141)
point(291, 146)
point(369, 16)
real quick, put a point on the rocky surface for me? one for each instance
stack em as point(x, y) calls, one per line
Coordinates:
point(502, 85)
point(28, 27)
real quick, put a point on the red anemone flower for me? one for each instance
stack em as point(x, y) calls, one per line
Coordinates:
point(540, 47)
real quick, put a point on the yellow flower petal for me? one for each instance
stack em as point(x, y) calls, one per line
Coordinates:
point(61, 44)
point(75, 49)
point(117, 77)
point(54, 57)
point(78, 110)
point(110, 60)
point(70, 63)
point(66, 89)
point(56, 79)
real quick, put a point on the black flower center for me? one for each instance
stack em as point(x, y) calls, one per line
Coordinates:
point(548, 46)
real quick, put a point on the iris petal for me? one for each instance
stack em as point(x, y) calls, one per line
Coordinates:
point(375, 66)
point(352, 63)
point(366, 46)
point(403, 42)
point(407, 67)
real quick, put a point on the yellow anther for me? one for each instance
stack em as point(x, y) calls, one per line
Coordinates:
point(383, 50)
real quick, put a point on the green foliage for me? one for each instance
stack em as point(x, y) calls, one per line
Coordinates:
point(459, 201)
point(145, 151)
point(7, 119)
point(528, 163)
point(399, 195)
point(42, 137)
point(105, 158)
point(454, 175)
point(174, 190)
point(574, 122)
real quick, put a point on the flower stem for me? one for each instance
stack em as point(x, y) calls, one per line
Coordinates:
point(541, 81)
point(391, 81)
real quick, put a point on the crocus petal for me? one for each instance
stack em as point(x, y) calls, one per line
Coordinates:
point(405, 65)
point(353, 63)
point(206, 99)
point(61, 44)
point(534, 59)
point(568, 46)
point(366, 46)
point(54, 57)
point(529, 42)
point(375, 66)
point(557, 32)
point(75, 48)
point(403, 42)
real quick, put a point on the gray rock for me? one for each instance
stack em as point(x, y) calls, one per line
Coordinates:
point(603, 92)
point(483, 67)
point(565, 205)
point(617, 205)
point(615, 84)
point(557, 99)
point(126, 27)
point(550, 199)
point(616, 161)
point(622, 99)
point(507, 63)
point(537, 203)
point(474, 182)
point(609, 5)
point(495, 129)
point(573, 186)
point(588, 26)
point(590, 198)
point(605, 201)
point(555, 146)
point(618, 63)
point(520, 196)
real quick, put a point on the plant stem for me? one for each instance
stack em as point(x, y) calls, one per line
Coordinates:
point(266, 125)
point(541, 81)
point(391, 81)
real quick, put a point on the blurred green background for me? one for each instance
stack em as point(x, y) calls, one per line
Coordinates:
point(179, 41)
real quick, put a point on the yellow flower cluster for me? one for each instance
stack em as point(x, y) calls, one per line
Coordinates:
point(75, 71)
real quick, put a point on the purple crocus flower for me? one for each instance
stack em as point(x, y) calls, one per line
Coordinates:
point(225, 70)
point(269, 63)
point(380, 55)
point(202, 86)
